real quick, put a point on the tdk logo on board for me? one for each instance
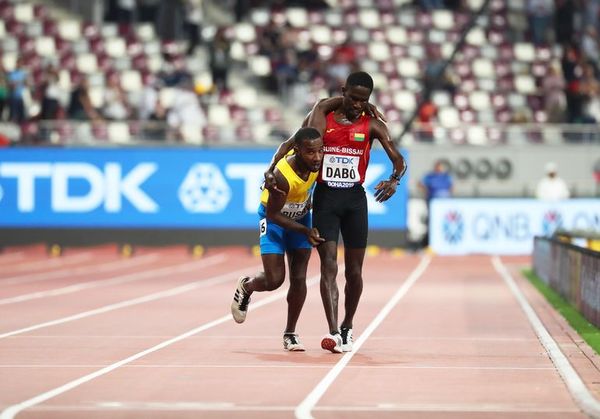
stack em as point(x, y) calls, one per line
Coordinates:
point(107, 186)
point(204, 189)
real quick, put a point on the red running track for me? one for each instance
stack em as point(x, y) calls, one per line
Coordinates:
point(94, 335)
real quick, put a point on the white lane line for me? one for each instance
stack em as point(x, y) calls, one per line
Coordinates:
point(136, 276)
point(300, 366)
point(303, 410)
point(50, 263)
point(134, 301)
point(9, 257)
point(69, 272)
point(13, 410)
point(577, 388)
point(198, 406)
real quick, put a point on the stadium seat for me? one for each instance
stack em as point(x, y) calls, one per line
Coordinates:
point(525, 84)
point(191, 134)
point(86, 63)
point(297, 17)
point(379, 51)
point(218, 115)
point(483, 68)
point(476, 135)
point(131, 81)
point(396, 35)
point(244, 32)
point(44, 46)
point(23, 12)
point(524, 52)
point(408, 67)
point(333, 18)
point(320, 34)
point(448, 116)
point(118, 132)
point(405, 100)
point(369, 18)
point(442, 19)
point(260, 65)
point(479, 100)
point(69, 30)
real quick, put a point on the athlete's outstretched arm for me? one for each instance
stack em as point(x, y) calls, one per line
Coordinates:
point(386, 188)
point(317, 117)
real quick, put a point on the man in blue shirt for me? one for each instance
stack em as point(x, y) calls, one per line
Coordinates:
point(436, 184)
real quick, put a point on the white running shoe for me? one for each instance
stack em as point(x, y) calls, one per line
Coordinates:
point(347, 339)
point(332, 343)
point(241, 299)
point(291, 342)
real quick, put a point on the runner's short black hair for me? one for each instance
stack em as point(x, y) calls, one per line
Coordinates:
point(305, 133)
point(360, 78)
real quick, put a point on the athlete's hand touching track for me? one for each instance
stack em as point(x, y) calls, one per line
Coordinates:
point(384, 190)
point(314, 238)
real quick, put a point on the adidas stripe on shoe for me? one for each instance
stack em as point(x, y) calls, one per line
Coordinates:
point(291, 342)
point(241, 299)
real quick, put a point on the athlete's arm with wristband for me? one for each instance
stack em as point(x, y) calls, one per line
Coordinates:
point(386, 188)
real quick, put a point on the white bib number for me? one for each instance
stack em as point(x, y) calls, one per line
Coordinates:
point(340, 168)
point(262, 225)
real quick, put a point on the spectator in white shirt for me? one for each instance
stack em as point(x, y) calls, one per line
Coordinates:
point(551, 187)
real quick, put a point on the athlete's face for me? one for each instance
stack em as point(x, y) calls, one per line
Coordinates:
point(311, 153)
point(355, 100)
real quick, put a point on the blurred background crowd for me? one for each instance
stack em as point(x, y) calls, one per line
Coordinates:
point(247, 71)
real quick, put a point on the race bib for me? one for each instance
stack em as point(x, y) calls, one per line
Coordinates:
point(295, 210)
point(340, 169)
point(262, 225)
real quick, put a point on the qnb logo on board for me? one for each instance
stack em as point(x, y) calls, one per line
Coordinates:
point(551, 221)
point(454, 227)
point(204, 189)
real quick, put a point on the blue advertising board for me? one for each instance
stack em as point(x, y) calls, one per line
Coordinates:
point(153, 188)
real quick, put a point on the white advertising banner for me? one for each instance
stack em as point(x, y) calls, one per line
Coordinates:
point(504, 226)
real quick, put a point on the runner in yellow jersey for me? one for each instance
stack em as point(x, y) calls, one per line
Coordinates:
point(286, 227)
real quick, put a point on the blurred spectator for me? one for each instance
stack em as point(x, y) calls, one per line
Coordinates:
point(194, 15)
point(80, 104)
point(551, 187)
point(590, 47)
point(116, 106)
point(436, 77)
point(52, 96)
point(436, 184)
point(427, 114)
point(147, 10)
point(151, 110)
point(342, 63)
point(564, 21)
point(17, 81)
point(540, 13)
point(553, 87)
point(126, 11)
point(3, 90)
point(428, 5)
point(572, 72)
point(185, 117)
point(220, 60)
point(241, 9)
